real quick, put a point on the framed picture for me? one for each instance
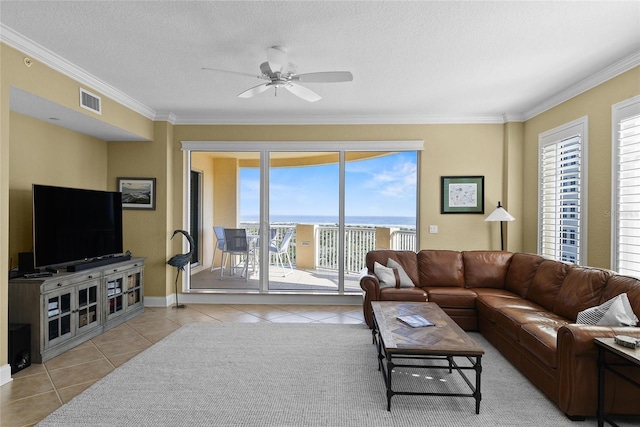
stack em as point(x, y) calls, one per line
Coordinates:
point(462, 194)
point(138, 193)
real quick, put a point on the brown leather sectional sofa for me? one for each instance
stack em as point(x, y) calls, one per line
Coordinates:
point(526, 306)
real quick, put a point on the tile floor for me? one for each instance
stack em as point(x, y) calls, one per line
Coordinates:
point(40, 389)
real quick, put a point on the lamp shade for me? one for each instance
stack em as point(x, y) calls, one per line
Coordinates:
point(500, 215)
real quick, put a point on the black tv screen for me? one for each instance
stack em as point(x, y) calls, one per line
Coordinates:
point(71, 224)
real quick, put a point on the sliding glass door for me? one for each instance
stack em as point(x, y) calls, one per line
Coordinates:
point(304, 204)
point(310, 215)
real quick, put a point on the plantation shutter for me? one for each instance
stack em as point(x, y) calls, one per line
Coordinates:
point(627, 191)
point(562, 193)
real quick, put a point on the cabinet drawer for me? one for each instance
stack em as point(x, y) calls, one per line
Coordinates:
point(53, 284)
point(121, 268)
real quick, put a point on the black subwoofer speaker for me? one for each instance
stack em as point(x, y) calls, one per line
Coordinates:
point(19, 346)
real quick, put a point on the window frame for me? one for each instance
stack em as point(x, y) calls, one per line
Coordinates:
point(555, 136)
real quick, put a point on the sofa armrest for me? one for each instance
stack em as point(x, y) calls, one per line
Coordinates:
point(577, 339)
point(578, 364)
point(371, 286)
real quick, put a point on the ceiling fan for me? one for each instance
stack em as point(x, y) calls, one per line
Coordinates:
point(280, 73)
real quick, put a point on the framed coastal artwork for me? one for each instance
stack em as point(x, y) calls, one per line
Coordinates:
point(138, 193)
point(462, 194)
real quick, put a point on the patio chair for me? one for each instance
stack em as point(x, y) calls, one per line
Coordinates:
point(219, 232)
point(282, 249)
point(236, 245)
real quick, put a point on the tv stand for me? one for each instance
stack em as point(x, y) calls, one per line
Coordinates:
point(97, 262)
point(67, 309)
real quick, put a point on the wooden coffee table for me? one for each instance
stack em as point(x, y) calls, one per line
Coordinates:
point(397, 342)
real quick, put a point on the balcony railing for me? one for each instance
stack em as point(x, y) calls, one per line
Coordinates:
point(358, 241)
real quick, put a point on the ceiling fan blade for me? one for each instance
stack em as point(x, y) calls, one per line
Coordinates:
point(254, 90)
point(325, 77)
point(277, 58)
point(233, 72)
point(303, 92)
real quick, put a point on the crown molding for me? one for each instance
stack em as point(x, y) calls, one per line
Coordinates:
point(584, 85)
point(29, 47)
point(341, 120)
point(512, 117)
point(165, 117)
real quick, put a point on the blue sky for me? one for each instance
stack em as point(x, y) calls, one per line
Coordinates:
point(383, 186)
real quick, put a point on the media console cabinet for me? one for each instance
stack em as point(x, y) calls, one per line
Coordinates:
point(69, 308)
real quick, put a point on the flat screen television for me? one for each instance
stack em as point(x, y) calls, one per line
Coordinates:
point(72, 225)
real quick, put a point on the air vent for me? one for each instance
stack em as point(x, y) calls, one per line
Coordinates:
point(90, 101)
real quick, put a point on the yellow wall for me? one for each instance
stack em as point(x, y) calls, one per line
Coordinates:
point(4, 217)
point(305, 246)
point(226, 189)
point(146, 232)
point(42, 153)
point(596, 104)
point(512, 189)
point(466, 149)
point(53, 155)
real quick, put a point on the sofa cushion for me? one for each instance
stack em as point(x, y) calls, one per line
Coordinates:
point(387, 276)
point(547, 283)
point(452, 297)
point(511, 318)
point(403, 294)
point(404, 279)
point(541, 340)
point(581, 289)
point(617, 285)
point(488, 304)
point(485, 269)
point(407, 259)
point(522, 269)
point(440, 268)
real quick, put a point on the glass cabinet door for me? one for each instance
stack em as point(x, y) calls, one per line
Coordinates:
point(88, 307)
point(58, 317)
point(133, 280)
point(115, 296)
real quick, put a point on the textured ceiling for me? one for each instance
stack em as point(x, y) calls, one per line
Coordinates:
point(411, 61)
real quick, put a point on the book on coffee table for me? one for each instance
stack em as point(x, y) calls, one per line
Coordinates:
point(415, 321)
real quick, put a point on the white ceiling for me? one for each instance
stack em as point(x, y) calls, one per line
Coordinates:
point(412, 61)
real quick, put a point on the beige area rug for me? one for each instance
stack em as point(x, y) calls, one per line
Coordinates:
point(268, 374)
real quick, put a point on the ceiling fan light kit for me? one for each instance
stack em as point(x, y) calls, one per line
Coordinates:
point(280, 73)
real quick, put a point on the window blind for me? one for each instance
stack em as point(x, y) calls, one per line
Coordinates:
point(561, 199)
point(627, 197)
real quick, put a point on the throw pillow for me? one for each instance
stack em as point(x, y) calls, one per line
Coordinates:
point(615, 312)
point(405, 280)
point(386, 275)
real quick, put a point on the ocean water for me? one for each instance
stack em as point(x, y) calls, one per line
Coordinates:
point(388, 221)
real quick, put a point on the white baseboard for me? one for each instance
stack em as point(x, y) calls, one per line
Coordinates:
point(5, 374)
point(159, 301)
point(253, 298)
point(270, 298)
